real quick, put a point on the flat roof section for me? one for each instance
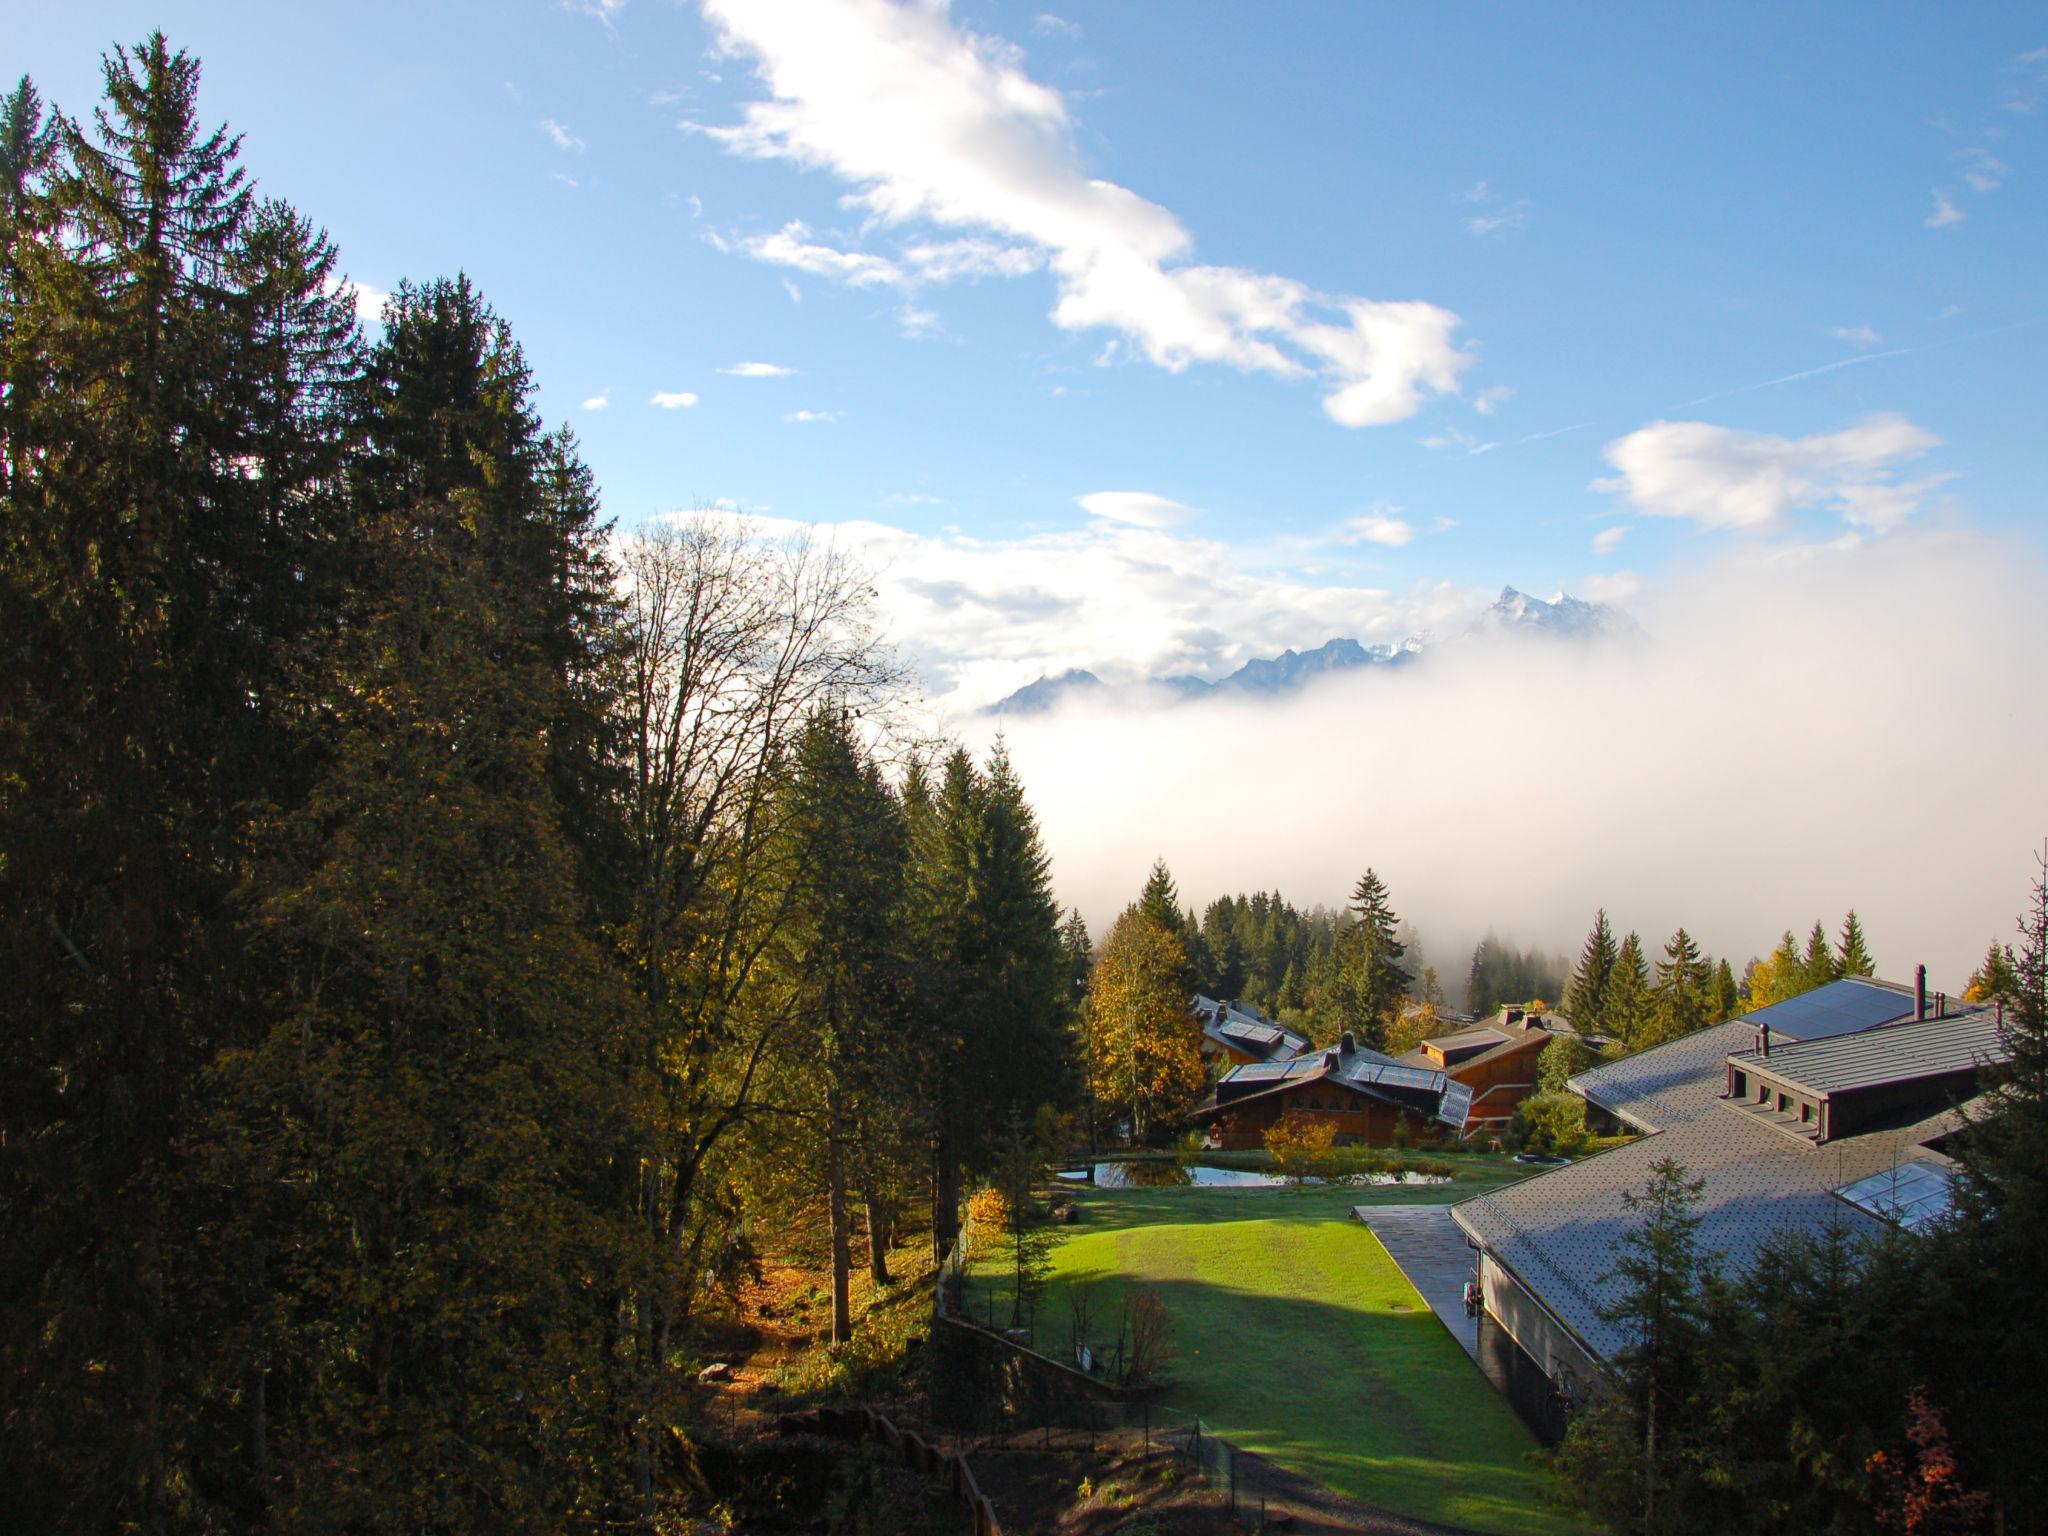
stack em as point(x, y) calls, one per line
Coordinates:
point(1900, 1053)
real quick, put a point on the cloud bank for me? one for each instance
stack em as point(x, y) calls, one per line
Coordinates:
point(1725, 477)
point(1807, 731)
point(934, 126)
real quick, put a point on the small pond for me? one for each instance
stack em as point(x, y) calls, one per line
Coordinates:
point(1158, 1175)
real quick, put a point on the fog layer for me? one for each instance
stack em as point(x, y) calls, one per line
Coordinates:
point(1802, 732)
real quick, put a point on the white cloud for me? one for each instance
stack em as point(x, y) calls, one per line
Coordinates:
point(1492, 398)
point(1608, 540)
point(368, 302)
point(1945, 211)
point(759, 371)
point(565, 179)
point(981, 617)
point(1855, 335)
point(796, 294)
point(937, 126)
point(1984, 171)
point(810, 417)
point(1503, 221)
point(1045, 24)
point(943, 261)
point(1379, 526)
point(918, 323)
point(1478, 192)
point(1725, 477)
point(606, 11)
point(1116, 786)
point(792, 246)
point(598, 401)
point(1140, 508)
point(672, 399)
point(1611, 586)
point(559, 136)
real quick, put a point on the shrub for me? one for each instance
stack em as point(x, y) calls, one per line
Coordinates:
point(1302, 1146)
point(1548, 1123)
point(989, 1212)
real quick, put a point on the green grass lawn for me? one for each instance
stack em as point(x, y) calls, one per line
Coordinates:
point(1297, 1337)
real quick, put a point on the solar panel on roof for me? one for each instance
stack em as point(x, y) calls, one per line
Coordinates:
point(1455, 1105)
point(1258, 1071)
point(1912, 1194)
point(1840, 1008)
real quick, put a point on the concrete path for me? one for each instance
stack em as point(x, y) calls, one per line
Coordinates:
point(1433, 1254)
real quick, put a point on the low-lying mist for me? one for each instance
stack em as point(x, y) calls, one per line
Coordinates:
point(1803, 732)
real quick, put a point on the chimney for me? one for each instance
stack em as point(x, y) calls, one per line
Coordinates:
point(1941, 1005)
point(1347, 1043)
point(1763, 1040)
point(1919, 992)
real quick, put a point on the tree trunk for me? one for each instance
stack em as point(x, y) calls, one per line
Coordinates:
point(835, 1199)
point(945, 1200)
point(878, 1236)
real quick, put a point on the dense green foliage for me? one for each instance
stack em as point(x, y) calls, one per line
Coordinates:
point(438, 934)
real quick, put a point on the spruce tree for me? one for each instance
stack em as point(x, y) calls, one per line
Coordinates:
point(1724, 996)
point(1159, 902)
point(1630, 1003)
point(1683, 1000)
point(1077, 951)
point(1819, 962)
point(1585, 996)
point(1997, 975)
point(1852, 954)
point(1371, 980)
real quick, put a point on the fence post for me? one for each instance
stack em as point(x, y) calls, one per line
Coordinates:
point(1148, 1428)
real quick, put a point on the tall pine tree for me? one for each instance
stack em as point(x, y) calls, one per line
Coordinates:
point(1585, 994)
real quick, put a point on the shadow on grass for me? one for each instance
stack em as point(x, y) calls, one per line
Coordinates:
point(1378, 1404)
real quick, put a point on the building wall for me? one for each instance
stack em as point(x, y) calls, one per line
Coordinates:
point(1362, 1120)
point(1500, 1084)
point(1542, 1338)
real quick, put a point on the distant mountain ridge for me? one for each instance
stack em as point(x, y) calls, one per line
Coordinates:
point(1512, 613)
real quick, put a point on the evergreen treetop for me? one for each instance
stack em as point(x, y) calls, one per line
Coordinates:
point(1585, 995)
point(1852, 953)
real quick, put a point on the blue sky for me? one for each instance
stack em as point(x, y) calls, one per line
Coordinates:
point(1148, 337)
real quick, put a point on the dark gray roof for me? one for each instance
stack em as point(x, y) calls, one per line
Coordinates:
point(1557, 1232)
point(1655, 1089)
point(1484, 1036)
point(1239, 1027)
point(1896, 1053)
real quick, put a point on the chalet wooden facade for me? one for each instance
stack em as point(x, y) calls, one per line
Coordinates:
point(1493, 1066)
point(1367, 1098)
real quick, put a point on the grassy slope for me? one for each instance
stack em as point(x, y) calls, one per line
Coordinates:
point(1290, 1345)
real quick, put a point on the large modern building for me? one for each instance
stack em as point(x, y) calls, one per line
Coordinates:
point(1830, 1107)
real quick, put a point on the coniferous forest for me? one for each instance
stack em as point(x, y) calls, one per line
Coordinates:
point(438, 933)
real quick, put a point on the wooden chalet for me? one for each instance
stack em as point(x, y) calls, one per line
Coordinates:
point(1236, 1033)
point(1489, 1068)
point(1364, 1094)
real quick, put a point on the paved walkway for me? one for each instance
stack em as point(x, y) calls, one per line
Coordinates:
point(1433, 1254)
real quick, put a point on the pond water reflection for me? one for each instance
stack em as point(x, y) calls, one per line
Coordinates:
point(1151, 1174)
